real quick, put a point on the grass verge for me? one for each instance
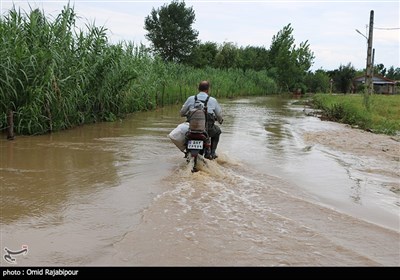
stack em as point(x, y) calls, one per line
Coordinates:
point(382, 117)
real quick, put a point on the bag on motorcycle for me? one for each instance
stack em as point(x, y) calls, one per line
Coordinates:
point(177, 135)
point(197, 120)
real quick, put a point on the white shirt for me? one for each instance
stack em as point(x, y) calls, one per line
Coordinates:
point(212, 105)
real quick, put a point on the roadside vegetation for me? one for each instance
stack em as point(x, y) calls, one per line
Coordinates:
point(383, 116)
point(55, 76)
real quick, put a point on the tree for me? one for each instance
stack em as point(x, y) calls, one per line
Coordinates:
point(227, 56)
point(289, 63)
point(342, 77)
point(380, 69)
point(393, 74)
point(253, 58)
point(203, 55)
point(318, 81)
point(170, 31)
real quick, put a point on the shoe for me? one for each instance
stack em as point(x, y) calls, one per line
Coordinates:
point(213, 154)
point(207, 154)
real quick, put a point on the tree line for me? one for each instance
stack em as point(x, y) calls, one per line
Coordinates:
point(55, 76)
point(173, 39)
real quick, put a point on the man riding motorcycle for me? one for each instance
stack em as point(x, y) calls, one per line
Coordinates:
point(214, 112)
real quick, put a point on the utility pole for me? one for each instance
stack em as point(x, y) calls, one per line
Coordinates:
point(368, 76)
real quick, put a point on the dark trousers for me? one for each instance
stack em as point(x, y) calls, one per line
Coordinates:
point(214, 132)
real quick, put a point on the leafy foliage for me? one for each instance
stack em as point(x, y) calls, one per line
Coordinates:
point(342, 78)
point(290, 63)
point(255, 58)
point(227, 56)
point(54, 76)
point(170, 31)
point(203, 55)
point(318, 82)
point(393, 73)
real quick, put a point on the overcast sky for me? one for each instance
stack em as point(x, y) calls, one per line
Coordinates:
point(329, 26)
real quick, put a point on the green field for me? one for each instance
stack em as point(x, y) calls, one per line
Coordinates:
point(383, 115)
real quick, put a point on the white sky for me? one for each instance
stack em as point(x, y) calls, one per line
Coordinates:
point(329, 26)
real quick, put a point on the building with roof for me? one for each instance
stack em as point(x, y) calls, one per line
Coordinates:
point(382, 85)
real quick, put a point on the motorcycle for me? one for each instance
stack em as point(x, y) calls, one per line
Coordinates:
point(192, 137)
point(197, 146)
point(194, 143)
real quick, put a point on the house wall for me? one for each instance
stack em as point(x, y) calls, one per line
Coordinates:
point(385, 89)
point(381, 88)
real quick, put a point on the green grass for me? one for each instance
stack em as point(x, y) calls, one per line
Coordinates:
point(383, 115)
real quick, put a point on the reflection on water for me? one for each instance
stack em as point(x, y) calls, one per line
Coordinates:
point(39, 174)
point(76, 195)
point(74, 191)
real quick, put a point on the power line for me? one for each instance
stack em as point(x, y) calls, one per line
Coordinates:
point(384, 28)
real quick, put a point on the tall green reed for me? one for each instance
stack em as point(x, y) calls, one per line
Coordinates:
point(55, 76)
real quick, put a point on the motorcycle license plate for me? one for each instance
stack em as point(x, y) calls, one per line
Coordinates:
point(195, 144)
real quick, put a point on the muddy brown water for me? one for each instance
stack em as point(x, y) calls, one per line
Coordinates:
point(121, 194)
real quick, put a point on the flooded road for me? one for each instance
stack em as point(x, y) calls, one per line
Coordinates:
point(121, 194)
